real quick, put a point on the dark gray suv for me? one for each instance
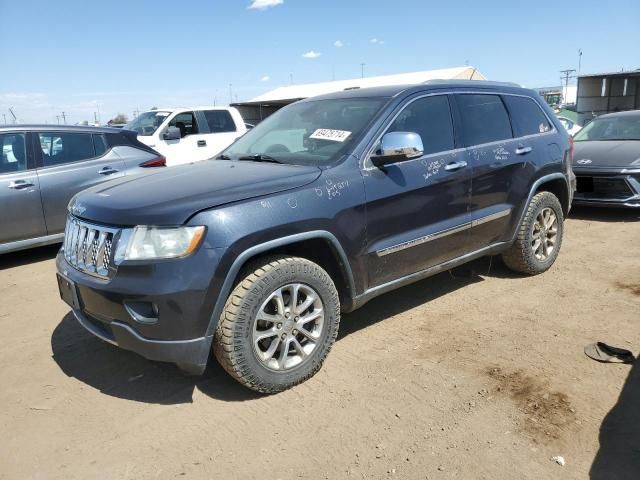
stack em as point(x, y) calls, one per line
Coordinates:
point(43, 166)
point(315, 211)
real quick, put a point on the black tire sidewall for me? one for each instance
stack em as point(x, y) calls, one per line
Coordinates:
point(547, 200)
point(303, 272)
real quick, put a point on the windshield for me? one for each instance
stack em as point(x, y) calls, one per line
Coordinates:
point(147, 123)
point(308, 133)
point(613, 128)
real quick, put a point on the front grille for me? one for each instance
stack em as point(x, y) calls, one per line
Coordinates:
point(606, 187)
point(89, 247)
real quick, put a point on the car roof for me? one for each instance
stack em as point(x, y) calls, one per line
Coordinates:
point(189, 109)
point(626, 113)
point(58, 128)
point(395, 90)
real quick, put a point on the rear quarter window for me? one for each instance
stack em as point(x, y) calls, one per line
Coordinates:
point(483, 119)
point(219, 121)
point(526, 115)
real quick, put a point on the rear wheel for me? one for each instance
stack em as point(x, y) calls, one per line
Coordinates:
point(278, 324)
point(539, 236)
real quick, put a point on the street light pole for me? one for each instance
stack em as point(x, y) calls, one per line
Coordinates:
point(579, 60)
point(362, 70)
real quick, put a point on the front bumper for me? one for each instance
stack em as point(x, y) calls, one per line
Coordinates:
point(607, 189)
point(161, 311)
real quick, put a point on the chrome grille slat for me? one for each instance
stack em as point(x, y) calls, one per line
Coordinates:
point(87, 247)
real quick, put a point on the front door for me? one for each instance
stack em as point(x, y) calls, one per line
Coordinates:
point(21, 216)
point(417, 210)
point(70, 163)
point(192, 144)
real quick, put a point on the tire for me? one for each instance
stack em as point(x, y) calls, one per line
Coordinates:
point(257, 307)
point(526, 255)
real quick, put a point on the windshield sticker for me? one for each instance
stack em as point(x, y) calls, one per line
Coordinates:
point(328, 134)
point(162, 114)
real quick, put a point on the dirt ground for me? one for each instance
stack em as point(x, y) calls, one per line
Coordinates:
point(472, 374)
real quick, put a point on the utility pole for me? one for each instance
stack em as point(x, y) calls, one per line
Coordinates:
point(290, 78)
point(58, 119)
point(13, 115)
point(95, 118)
point(362, 70)
point(566, 74)
point(230, 93)
point(4, 116)
point(64, 118)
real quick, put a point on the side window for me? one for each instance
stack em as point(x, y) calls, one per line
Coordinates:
point(429, 117)
point(219, 121)
point(60, 147)
point(186, 123)
point(527, 117)
point(483, 118)
point(100, 145)
point(14, 153)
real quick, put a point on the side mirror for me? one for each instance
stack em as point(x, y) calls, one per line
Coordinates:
point(398, 147)
point(172, 133)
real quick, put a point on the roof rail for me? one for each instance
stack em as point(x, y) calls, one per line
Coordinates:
point(465, 82)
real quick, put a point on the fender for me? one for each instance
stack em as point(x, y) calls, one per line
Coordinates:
point(532, 192)
point(264, 247)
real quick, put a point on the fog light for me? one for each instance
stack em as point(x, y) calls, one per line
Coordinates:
point(142, 312)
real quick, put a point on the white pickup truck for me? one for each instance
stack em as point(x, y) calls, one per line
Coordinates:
point(185, 135)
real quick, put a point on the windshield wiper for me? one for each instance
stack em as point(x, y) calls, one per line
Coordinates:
point(223, 157)
point(260, 157)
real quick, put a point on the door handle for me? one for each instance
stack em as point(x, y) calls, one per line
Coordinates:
point(202, 143)
point(20, 184)
point(521, 150)
point(107, 171)
point(453, 166)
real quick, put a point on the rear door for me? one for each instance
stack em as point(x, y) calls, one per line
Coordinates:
point(499, 165)
point(222, 131)
point(70, 162)
point(417, 210)
point(21, 216)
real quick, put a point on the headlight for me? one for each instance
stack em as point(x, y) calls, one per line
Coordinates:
point(147, 243)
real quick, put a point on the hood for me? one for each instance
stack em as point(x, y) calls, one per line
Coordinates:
point(607, 153)
point(170, 196)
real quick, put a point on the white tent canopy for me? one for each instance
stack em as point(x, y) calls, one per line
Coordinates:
point(260, 107)
point(297, 92)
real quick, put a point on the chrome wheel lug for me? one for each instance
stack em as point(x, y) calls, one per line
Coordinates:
point(283, 336)
point(295, 332)
point(279, 325)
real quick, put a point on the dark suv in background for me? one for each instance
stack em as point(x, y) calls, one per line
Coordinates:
point(318, 209)
point(43, 166)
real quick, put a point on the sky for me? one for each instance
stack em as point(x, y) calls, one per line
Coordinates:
point(90, 57)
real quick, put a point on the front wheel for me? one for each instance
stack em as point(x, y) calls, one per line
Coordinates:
point(539, 236)
point(278, 324)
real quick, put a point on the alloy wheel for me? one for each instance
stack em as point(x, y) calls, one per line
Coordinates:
point(288, 326)
point(544, 234)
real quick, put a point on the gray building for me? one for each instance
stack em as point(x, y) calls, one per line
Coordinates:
point(607, 92)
